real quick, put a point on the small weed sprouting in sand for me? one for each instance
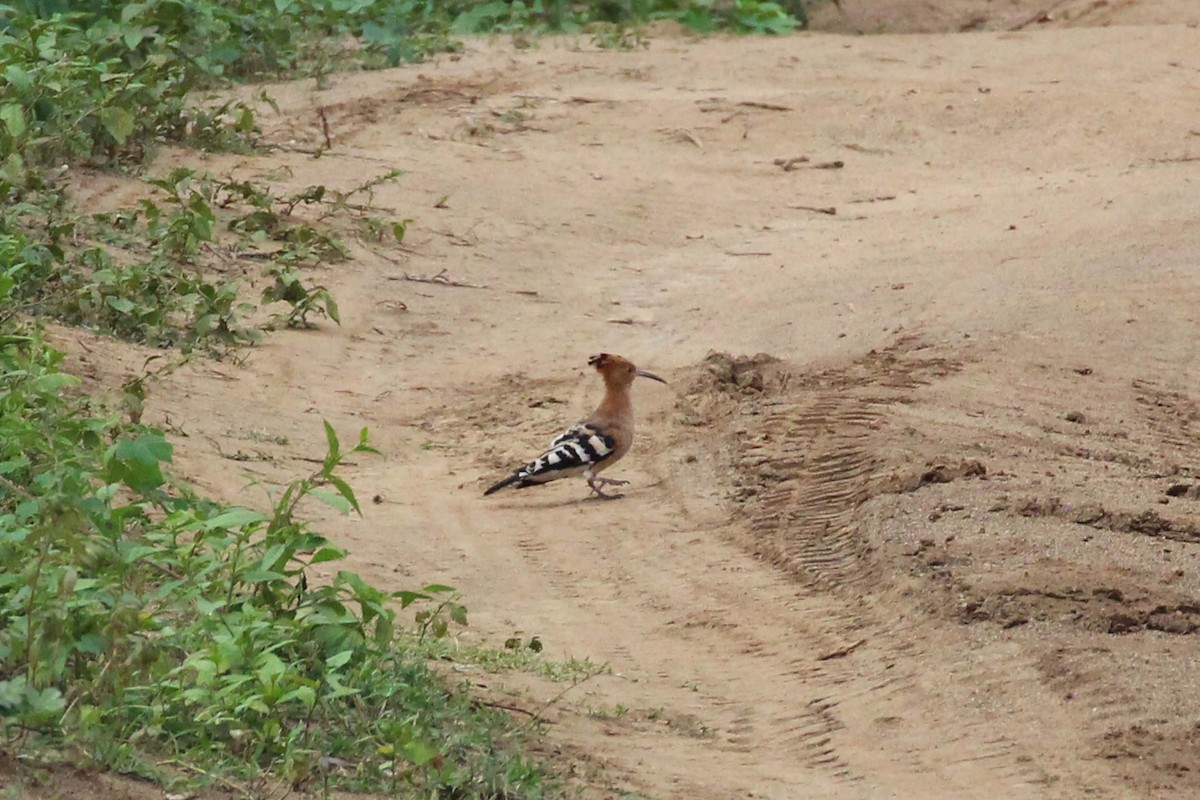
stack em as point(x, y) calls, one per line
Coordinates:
point(619, 711)
point(303, 300)
point(524, 657)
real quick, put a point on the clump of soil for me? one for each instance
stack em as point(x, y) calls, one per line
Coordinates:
point(1148, 522)
point(1104, 610)
point(742, 374)
point(934, 472)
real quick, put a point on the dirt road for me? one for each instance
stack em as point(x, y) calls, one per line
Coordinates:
point(941, 543)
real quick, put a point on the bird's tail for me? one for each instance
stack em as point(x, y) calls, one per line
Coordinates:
point(511, 479)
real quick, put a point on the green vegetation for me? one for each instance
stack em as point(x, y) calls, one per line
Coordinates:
point(741, 16)
point(518, 658)
point(139, 619)
point(144, 628)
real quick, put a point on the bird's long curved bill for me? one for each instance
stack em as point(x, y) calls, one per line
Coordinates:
point(643, 374)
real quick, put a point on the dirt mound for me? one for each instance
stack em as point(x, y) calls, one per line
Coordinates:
point(744, 374)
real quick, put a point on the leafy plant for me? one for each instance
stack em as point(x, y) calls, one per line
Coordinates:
point(138, 620)
point(612, 22)
point(151, 273)
point(303, 300)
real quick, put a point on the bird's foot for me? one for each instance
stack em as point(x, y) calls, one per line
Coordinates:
point(596, 483)
point(610, 482)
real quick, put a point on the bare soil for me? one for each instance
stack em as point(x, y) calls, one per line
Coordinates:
point(917, 516)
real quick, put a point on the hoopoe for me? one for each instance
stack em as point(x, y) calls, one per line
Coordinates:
point(595, 444)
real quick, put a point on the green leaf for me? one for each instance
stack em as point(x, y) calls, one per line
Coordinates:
point(331, 440)
point(47, 702)
point(13, 117)
point(339, 660)
point(327, 554)
point(28, 509)
point(345, 491)
point(130, 554)
point(205, 668)
point(304, 694)
point(408, 598)
point(92, 644)
point(148, 446)
point(480, 17)
point(254, 703)
point(131, 11)
point(271, 559)
point(135, 462)
point(208, 606)
point(331, 307)
point(261, 576)
point(384, 630)
point(120, 304)
point(270, 667)
point(12, 691)
point(420, 752)
point(339, 690)
point(400, 230)
point(52, 383)
point(245, 122)
point(227, 52)
point(18, 77)
point(331, 615)
point(332, 500)
point(13, 170)
point(229, 656)
point(119, 122)
point(234, 518)
point(13, 464)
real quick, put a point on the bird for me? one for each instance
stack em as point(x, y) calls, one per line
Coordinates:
point(594, 444)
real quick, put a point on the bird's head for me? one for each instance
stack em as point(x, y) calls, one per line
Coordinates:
point(619, 371)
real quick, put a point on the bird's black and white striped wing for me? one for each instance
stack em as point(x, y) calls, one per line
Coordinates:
point(574, 452)
point(571, 453)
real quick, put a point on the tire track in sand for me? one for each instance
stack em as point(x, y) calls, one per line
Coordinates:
point(801, 473)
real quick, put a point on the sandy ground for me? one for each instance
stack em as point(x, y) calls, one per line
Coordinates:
point(939, 540)
point(928, 16)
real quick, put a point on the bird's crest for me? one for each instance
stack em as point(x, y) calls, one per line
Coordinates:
point(605, 362)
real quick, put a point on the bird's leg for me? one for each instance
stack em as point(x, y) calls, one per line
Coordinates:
point(595, 483)
point(610, 482)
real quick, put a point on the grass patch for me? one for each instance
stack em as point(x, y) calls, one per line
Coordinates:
point(519, 659)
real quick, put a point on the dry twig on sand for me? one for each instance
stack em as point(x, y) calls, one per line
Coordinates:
point(442, 278)
point(842, 652)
